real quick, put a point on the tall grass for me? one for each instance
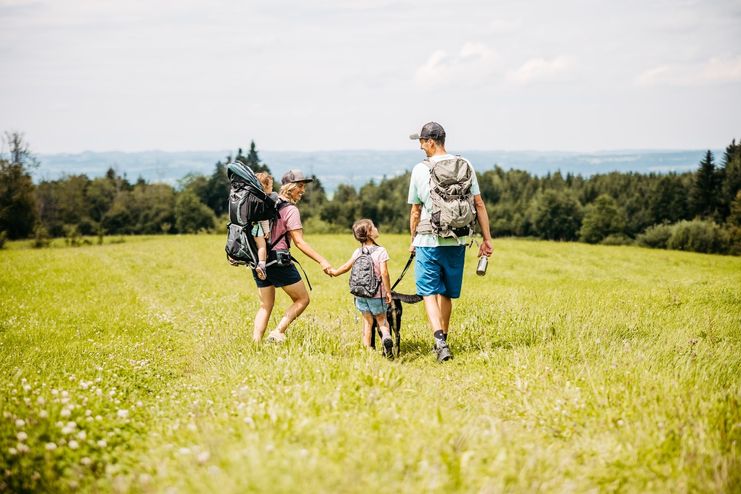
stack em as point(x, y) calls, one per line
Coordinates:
point(129, 367)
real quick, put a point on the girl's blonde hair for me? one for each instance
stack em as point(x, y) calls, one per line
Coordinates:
point(361, 230)
point(266, 180)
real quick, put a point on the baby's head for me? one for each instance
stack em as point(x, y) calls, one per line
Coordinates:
point(266, 180)
point(364, 230)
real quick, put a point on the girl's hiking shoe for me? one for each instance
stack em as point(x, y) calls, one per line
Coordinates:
point(388, 348)
point(443, 351)
point(276, 336)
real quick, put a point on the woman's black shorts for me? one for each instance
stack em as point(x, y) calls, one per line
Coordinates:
point(278, 276)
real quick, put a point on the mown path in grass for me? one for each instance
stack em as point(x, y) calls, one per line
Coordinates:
point(129, 367)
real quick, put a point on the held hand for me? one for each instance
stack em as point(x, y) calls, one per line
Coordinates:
point(388, 298)
point(411, 247)
point(486, 248)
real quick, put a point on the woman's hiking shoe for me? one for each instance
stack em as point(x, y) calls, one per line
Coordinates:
point(443, 351)
point(388, 348)
point(276, 336)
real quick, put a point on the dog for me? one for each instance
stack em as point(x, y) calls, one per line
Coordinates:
point(393, 316)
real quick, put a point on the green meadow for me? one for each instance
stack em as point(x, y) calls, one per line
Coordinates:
point(129, 367)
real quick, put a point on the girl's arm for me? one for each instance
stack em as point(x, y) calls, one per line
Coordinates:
point(342, 269)
point(386, 281)
point(297, 236)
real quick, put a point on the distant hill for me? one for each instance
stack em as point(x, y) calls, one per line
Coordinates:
point(359, 167)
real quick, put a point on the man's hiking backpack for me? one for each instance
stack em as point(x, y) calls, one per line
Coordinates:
point(364, 282)
point(453, 211)
point(248, 204)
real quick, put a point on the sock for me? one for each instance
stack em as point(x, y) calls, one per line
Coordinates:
point(439, 335)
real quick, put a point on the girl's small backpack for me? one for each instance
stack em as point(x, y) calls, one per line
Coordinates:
point(364, 282)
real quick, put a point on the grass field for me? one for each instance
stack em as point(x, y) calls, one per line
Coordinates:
point(129, 368)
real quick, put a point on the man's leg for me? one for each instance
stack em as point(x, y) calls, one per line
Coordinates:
point(446, 308)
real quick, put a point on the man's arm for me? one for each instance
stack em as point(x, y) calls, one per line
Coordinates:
point(482, 217)
point(414, 216)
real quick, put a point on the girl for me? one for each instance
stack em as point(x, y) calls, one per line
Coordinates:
point(366, 233)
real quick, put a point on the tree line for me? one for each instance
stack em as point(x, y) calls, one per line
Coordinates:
point(699, 210)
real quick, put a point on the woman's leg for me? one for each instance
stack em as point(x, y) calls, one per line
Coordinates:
point(267, 300)
point(300, 298)
point(367, 328)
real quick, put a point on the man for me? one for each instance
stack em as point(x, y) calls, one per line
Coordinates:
point(440, 255)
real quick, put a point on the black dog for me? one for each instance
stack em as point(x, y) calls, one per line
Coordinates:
point(393, 315)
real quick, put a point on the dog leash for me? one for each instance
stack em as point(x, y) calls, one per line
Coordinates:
point(404, 271)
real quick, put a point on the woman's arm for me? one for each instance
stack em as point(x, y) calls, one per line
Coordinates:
point(297, 236)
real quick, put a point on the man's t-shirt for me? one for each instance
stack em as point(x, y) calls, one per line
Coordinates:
point(419, 193)
point(379, 255)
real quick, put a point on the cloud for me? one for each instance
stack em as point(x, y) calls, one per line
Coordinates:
point(716, 70)
point(473, 64)
point(541, 70)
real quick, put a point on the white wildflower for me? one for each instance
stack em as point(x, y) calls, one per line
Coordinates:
point(65, 412)
point(22, 436)
point(203, 457)
point(86, 461)
point(98, 392)
point(102, 443)
point(26, 388)
point(40, 400)
point(12, 451)
point(65, 394)
point(184, 451)
point(84, 384)
point(88, 413)
point(43, 414)
point(20, 423)
point(54, 392)
point(122, 414)
point(74, 444)
point(82, 435)
point(51, 446)
point(22, 448)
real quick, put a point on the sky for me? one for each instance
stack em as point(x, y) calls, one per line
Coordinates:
point(572, 75)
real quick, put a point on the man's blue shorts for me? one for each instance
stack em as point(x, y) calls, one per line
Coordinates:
point(439, 270)
point(375, 306)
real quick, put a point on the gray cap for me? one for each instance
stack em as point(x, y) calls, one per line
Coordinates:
point(431, 130)
point(293, 177)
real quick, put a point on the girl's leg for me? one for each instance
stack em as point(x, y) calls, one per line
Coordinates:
point(367, 328)
point(300, 298)
point(267, 300)
point(384, 325)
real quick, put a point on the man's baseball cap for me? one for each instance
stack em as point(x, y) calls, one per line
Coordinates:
point(431, 130)
point(294, 177)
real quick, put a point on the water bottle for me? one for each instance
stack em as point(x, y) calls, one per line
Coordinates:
point(481, 266)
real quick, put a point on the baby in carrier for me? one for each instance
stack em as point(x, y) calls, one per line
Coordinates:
point(261, 231)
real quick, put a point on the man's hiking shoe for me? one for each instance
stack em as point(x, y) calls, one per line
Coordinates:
point(443, 351)
point(388, 348)
point(276, 336)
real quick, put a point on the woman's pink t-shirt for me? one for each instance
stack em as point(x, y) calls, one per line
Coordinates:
point(289, 219)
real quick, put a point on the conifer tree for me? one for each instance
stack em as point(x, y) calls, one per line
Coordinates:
point(705, 192)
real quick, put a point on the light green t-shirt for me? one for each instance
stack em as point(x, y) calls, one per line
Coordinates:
point(419, 193)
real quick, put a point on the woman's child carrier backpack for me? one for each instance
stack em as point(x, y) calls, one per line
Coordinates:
point(248, 204)
point(364, 282)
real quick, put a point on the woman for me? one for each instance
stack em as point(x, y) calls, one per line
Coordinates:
point(287, 229)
